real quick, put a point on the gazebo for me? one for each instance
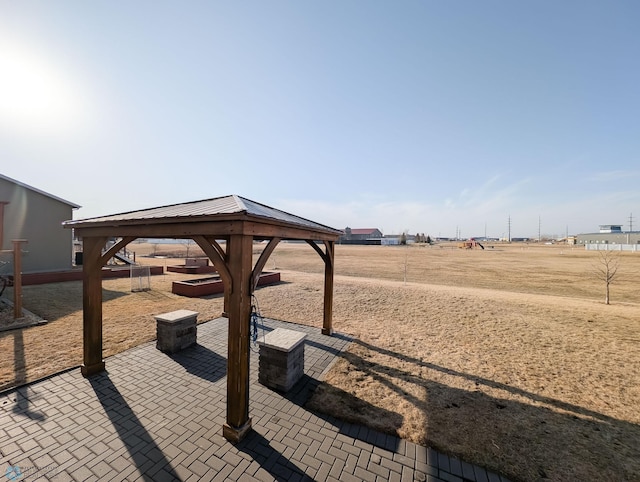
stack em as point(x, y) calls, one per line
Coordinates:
point(233, 219)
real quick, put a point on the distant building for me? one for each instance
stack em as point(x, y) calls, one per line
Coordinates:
point(610, 228)
point(361, 236)
point(36, 216)
point(609, 234)
point(392, 239)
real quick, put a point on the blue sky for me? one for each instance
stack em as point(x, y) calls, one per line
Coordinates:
point(425, 116)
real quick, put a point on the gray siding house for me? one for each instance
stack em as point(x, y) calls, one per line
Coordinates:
point(36, 216)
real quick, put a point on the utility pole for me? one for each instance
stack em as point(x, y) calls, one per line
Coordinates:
point(631, 222)
point(509, 226)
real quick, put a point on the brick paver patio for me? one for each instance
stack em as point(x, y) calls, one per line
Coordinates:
point(159, 417)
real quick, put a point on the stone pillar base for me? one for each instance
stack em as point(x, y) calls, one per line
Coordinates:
point(281, 359)
point(176, 330)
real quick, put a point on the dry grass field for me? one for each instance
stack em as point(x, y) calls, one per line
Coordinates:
point(507, 357)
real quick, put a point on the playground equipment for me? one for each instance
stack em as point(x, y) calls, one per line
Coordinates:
point(124, 257)
point(472, 243)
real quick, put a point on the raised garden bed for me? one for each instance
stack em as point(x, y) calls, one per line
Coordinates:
point(195, 288)
point(183, 268)
point(193, 266)
point(76, 275)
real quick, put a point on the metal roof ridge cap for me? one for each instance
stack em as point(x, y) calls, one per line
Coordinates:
point(240, 202)
point(291, 214)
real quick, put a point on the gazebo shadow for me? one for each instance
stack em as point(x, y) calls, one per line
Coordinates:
point(201, 362)
point(283, 468)
point(134, 435)
point(270, 459)
point(534, 421)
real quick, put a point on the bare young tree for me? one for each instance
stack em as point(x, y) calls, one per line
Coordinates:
point(606, 269)
point(188, 243)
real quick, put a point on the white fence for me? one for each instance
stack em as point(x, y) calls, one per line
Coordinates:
point(613, 247)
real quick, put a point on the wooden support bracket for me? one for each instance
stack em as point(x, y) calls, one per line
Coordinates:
point(262, 260)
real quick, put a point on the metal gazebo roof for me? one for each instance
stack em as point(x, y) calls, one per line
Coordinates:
point(225, 208)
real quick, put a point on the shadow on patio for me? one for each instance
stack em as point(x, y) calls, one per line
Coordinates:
point(145, 453)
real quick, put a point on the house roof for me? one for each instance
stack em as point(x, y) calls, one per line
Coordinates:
point(225, 208)
point(364, 230)
point(31, 188)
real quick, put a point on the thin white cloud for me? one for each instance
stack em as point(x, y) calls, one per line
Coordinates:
point(486, 209)
point(608, 176)
point(491, 196)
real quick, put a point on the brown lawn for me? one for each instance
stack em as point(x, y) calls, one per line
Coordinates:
point(507, 357)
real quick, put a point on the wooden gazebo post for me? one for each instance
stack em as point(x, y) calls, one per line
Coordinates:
point(327, 320)
point(327, 256)
point(92, 305)
point(238, 423)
